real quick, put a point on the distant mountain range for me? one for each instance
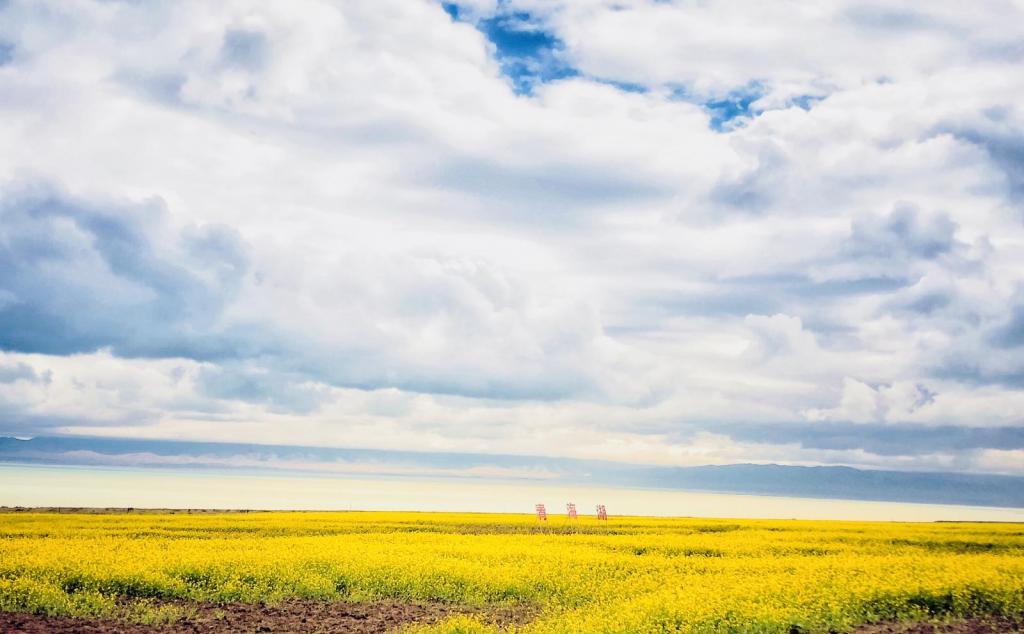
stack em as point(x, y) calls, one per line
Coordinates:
point(757, 479)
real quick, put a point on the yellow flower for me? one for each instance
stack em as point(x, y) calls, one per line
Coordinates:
point(629, 575)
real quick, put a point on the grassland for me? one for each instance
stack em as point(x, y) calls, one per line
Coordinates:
point(626, 575)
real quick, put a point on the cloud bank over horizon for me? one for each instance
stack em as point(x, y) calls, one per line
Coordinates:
point(661, 232)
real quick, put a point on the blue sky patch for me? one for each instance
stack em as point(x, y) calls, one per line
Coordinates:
point(624, 86)
point(805, 102)
point(528, 54)
point(451, 9)
point(738, 104)
point(735, 105)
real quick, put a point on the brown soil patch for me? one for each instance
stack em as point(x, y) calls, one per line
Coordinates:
point(979, 625)
point(290, 616)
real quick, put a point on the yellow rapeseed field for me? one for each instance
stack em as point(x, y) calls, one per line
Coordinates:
point(626, 575)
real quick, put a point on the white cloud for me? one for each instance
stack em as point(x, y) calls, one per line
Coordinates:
point(365, 230)
point(795, 47)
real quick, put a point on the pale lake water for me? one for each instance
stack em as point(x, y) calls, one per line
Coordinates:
point(33, 485)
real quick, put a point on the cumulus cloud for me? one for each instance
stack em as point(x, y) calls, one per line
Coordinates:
point(640, 230)
point(119, 276)
point(80, 277)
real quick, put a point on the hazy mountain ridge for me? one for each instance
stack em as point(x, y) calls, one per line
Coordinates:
point(761, 479)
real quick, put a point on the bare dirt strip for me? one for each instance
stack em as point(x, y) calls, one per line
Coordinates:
point(981, 625)
point(290, 616)
point(384, 617)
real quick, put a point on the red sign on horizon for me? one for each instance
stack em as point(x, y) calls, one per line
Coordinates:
point(572, 510)
point(542, 513)
point(602, 512)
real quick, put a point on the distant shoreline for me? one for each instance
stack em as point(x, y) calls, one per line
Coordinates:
point(92, 490)
point(267, 461)
point(112, 510)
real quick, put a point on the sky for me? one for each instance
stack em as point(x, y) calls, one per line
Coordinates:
point(675, 233)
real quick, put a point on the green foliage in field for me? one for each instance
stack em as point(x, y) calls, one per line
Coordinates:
point(628, 575)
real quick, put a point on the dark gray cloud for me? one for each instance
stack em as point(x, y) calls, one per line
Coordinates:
point(884, 439)
point(967, 368)
point(280, 392)
point(17, 421)
point(11, 372)
point(245, 49)
point(77, 277)
point(794, 294)
point(880, 439)
point(928, 303)
point(904, 232)
point(987, 350)
point(162, 88)
point(6, 52)
point(1011, 333)
point(999, 131)
point(757, 189)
